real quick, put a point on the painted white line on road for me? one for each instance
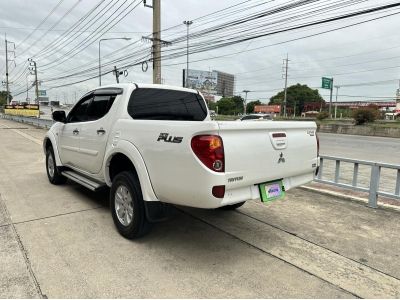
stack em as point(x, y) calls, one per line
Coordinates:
point(27, 136)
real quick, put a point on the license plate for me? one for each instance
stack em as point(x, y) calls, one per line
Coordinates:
point(271, 191)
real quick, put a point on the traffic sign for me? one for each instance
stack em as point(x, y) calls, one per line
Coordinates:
point(327, 83)
point(42, 92)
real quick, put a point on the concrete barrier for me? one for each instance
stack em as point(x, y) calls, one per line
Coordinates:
point(42, 123)
point(360, 130)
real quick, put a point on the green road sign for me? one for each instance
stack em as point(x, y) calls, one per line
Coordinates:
point(327, 83)
point(42, 92)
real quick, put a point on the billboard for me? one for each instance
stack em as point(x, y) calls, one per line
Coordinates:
point(204, 81)
point(27, 110)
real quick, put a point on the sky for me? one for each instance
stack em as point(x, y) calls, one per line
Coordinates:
point(365, 54)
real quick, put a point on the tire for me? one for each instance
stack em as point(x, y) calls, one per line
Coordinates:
point(53, 172)
point(233, 206)
point(127, 206)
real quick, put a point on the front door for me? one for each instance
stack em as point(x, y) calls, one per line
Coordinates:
point(69, 133)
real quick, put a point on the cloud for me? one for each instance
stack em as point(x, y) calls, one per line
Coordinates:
point(343, 54)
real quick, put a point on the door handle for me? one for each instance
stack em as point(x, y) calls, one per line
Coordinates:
point(101, 131)
point(75, 132)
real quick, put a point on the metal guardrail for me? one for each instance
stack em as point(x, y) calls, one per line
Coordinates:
point(39, 122)
point(374, 180)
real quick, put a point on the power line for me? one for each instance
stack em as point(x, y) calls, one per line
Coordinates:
point(54, 25)
point(40, 24)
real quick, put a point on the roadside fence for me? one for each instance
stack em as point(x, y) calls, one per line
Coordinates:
point(368, 180)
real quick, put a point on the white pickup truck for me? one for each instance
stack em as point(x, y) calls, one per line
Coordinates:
point(155, 145)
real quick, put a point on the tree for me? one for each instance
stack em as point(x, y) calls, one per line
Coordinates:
point(230, 106)
point(226, 106)
point(250, 106)
point(297, 95)
point(365, 115)
point(212, 105)
point(239, 104)
point(3, 98)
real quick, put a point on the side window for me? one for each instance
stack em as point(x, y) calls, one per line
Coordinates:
point(164, 104)
point(99, 107)
point(79, 113)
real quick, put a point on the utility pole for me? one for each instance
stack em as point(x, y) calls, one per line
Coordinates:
point(187, 23)
point(33, 69)
point(337, 92)
point(330, 100)
point(118, 73)
point(245, 100)
point(7, 87)
point(286, 66)
point(27, 87)
point(157, 41)
point(7, 62)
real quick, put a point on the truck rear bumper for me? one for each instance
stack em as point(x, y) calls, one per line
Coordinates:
point(247, 193)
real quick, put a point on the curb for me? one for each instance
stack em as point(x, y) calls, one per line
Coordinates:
point(351, 198)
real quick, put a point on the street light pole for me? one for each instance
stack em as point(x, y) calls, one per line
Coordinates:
point(187, 23)
point(121, 38)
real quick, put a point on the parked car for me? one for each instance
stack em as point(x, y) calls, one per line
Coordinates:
point(256, 117)
point(155, 145)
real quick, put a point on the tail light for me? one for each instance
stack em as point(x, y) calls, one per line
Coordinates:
point(210, 150)
point(317, 144)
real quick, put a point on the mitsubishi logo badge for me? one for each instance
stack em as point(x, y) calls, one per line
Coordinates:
point(281, 158)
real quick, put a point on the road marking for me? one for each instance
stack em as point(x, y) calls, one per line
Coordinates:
point(345, 273)
point(27, 136)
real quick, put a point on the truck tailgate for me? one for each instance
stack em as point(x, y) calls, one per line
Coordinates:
point(258, 152)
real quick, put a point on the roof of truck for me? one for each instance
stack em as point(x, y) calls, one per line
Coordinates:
point(150, 86)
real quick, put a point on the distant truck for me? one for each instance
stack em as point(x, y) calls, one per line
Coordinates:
point(155, 145)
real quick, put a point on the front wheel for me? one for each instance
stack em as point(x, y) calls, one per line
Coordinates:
point(127, 206)
point(53, 172)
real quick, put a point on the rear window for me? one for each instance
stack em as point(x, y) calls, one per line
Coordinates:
point(161, 104)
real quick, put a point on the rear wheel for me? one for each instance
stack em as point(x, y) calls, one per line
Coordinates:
point(53, 172)
point(127, 206)
point(233, 206)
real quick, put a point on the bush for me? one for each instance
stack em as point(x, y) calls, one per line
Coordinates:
point(365, 115)
point(322, 115)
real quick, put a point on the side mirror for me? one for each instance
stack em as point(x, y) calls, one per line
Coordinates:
point(59, 116)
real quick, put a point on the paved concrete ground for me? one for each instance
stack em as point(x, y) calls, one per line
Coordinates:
point(60, 241)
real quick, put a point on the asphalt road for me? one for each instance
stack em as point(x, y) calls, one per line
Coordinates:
point(361, 147)
point(60, 242)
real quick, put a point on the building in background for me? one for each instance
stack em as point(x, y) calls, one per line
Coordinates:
point(225, 84)
point(210, 83)
point(398, 100)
